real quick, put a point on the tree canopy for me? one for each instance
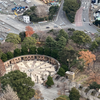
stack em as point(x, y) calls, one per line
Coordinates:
point(4, 57)
point(49, 81)
point(62, 33)
point(9, 55)
point(61, 72)
point(74, 94)
point(17, 52)
point(28, 42)
point(70, 7)
point(20, 83)
point(50, 43)
point(29, 31)
point(87, 56)
point(80, 37)
point(9, 94)
point(61, 43)
point(67, 56)
point(22, 35)
point(14, 38)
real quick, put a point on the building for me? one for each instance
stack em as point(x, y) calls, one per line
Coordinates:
point(26, 19)
point(95, 1)
point(70, 75)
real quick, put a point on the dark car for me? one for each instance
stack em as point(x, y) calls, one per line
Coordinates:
point(47, 27)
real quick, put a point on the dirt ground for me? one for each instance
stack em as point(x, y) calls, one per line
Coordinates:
point(16, 3)
point(82, 98)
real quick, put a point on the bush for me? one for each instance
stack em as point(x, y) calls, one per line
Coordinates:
point(64, 67)
point(71, 29)
point(94, 85)
point(74, 94)
point(49, 81)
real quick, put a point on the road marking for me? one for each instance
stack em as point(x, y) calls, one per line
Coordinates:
point(57, 25)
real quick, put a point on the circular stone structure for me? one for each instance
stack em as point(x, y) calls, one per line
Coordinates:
point(38, 67)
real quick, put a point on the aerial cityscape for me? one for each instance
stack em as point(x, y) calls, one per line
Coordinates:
point(49, 49)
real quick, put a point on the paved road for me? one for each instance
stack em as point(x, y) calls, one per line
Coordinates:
point(16, 26)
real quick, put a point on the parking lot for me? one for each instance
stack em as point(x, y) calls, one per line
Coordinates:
point(7, 5)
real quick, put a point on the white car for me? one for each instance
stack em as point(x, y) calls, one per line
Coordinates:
point(3, 23)
point(84, 19)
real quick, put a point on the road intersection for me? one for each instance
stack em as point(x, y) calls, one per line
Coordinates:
point(61, 21)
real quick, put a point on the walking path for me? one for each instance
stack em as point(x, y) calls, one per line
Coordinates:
point(78, 17)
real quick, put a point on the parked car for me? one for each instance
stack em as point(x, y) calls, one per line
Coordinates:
point(47, 27)
point(84, 19)
point(55, 26)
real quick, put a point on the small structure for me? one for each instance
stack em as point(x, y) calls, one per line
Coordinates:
point(26, 19)
point(27, 1)
point(70, 75)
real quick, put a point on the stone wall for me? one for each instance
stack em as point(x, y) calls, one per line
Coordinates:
point(90, 94)
point(32, 57)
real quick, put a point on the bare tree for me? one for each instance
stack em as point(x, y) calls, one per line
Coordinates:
point(7, 46)
point(38, 95)
point(9, 94)
point(41, 11)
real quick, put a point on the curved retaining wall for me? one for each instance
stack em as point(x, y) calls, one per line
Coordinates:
point(32, 57)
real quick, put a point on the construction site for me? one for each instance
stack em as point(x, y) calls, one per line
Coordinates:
point(50, 1)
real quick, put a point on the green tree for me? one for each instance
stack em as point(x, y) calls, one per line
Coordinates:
point(98, 40)
point(24, 51)
point(49, 81)
point(64, 67)
point(40, 50)
point(22, 35)
point(62, 33)
point(47, 51)
point(33, 8)
point(70, 7)
point(4, 57)
point(61, 43)
point(74, 94)
point(80, 37)
point(14, 38)
point(94, 85)
point(28, 42)
point(94, 45)
point(35, 36)
point(67, 57)
point(32, 50)
point(54, 54)
point(50, 43)
point(61, 72)
point(17, 52)
point(20, 83)
point(9, 55)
